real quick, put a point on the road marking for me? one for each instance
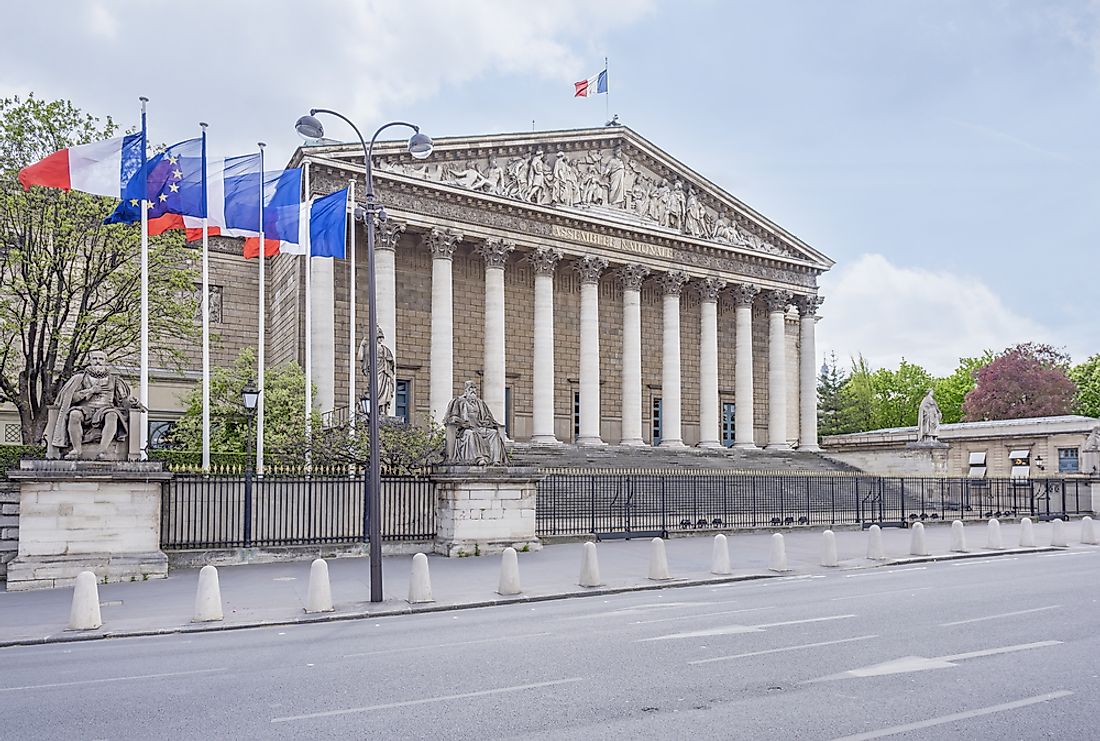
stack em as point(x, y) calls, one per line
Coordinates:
point(444, 645)
point(984, 561)
point(877, 594)
point(699, 615)
point(736, 629)
point(426, 700)
point(1004, 650)
point(781, 650)
point(634, 609)
point(883, 573)
point(965, 715)
point(111, 679)
point(1063, 555)
point(908, 664)
point(999, 615)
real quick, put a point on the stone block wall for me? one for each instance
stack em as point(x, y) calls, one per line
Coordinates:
point(9, 524)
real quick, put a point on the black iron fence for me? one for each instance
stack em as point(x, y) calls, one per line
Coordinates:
point(648, 503)
point(215, 511)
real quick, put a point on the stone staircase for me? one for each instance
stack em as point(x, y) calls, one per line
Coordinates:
point(687, 459)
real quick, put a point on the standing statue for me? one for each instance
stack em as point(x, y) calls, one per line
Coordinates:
point(494, 176)
point(473, 434)
point(93, 406)
point(616, 179)
point(566, 187)
point(928, 419)
point(537, 172)
point(387, 372)
point(695, 215)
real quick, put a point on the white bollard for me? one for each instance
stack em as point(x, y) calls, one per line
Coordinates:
point(875, 551)
point(779, 554)
point(720, 556)
point(1058, 534)
point(590, 566)
point(509, 573)
point(420, 581)
point(319, 597)
point(993, 539)
point(658, 560)
point(208, 597)
point(1088, 531)
point(1027, 533)
point(917, 545)
point(828, 549)
point(84, 613)
point(958, 537)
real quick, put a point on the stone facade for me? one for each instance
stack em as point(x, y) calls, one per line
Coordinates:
point(481, 510)
point(9, 525)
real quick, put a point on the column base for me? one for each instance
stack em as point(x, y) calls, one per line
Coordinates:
point(590, 441)
point(634, 443)
point(810, 448)
point(778, 446)
point(745, 446)
point(671, 444)
point(544, 440)
point(710, 444)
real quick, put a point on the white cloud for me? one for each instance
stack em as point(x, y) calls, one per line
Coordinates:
point(887, 312)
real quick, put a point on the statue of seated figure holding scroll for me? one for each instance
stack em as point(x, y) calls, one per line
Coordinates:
point(473, 434)
point(93, 406)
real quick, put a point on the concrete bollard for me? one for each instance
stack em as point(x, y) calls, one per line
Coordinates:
point(779, 554)
point(420, 581)
point(208, 597)
point(1088, 531)
point(917, 545)
point(590, 566)
point(1058, 534)
point(720, 556)
point(658, 560)
point(993, 539)
point(319, 597)
point(84, 613)
point(828, 549)
point(958, 537)
point(1027, 533)
point(509, 573)
point(875, 550)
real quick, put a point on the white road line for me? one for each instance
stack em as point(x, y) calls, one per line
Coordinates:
point(877, 594)
point(111, 679)
point(426, 700)
point(910, 664)
point(984, 561)
point(807, 620)
point(1002, 650)
point(966, 715)
point(781, 650)
point(445, 645)
point(999, 615)
point(699, 615)
point(1063, 555)
point(883, 573)
point(726, 630)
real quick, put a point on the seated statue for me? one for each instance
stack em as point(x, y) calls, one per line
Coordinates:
point(473, 434)
point(93, 406)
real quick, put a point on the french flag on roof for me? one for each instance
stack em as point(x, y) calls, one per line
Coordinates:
point(100, 168)
point(591, 86)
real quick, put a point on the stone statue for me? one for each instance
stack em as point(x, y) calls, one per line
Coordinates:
point(677, 206)
point(470, 177)
point(494, 177)
point(537, 172)
point(473, 434)
point(387, 373)
point(566, 189)
point(616, 178)
point(1092, 442)
point(93, 406)
point(928, 419)
point(695, 215)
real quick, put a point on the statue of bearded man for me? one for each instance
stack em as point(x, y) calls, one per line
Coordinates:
point(93, 406)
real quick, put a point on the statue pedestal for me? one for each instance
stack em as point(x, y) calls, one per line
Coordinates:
point(485, 509)
point(99, 516)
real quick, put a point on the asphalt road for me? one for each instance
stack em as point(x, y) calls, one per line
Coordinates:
point(999, 648)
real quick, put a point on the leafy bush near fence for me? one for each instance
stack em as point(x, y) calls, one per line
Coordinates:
point(10, 456)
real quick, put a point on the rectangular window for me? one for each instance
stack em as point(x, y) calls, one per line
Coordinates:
point(401, 399)
point(507, 411)
point(1021, 463)
point(576, 415)
point(1067, 460)
point(656, 429)
point(13, 434)
point(729, 410)
point(977, 464)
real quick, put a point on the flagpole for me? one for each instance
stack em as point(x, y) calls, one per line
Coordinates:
point(309, 323)
point(261, 330)
point(205, 313)
point(143, 377)
point(607, 95)
point(351, 308)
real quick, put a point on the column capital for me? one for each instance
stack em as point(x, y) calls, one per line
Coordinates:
point(709, 288)
point(442, 243)
point(807, 305)
point(590, 268)
point(389, 231)
point(744, 293)
point(495, 252)
point(632, 276)
point(777, 301)
point(544, 260)
point(672, 282)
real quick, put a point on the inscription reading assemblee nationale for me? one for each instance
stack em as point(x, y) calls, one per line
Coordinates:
point(614, 243)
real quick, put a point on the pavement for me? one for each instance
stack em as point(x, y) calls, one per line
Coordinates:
point(274, 594)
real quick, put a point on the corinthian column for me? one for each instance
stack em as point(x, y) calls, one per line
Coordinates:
point(709, 425)
point(671, 434)
point(632, 277)
point(590, 269)
point(807, 372)
point(495, 252)
point(442, 244)
point(385, 252)
point(743, 420)
point(544, 260)
point(777, 302)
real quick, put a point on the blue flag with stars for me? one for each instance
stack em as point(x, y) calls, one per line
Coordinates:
point(173, 180)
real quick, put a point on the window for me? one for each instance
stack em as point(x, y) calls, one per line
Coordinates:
point(576, 414)
point(508, 411)
point(977, 465)
point(1067, 460)
point(656, 430)
point(728, 413)
point(1021, 463)
point(13, 434)
point(401, 399)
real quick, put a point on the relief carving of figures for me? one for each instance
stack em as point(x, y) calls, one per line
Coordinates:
point(695, 215)
point(517, 179)
point(641, 189)
point(566, 189)
point(593, 184)
point(659, 203)
point(537, 170)
point(677, 206)
point(470, 177)
point(616, 179)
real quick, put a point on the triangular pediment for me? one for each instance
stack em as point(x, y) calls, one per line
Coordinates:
point(611, 174)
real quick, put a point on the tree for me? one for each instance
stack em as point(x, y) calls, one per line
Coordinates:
point(1087, 377)
point(830, 398)
point(877, 399)
point(951, 390)
point(71, 283)
point(1027, 380)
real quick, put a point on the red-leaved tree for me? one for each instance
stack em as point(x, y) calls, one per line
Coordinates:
point(1028, 380)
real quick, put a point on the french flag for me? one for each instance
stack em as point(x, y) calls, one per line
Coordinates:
point(592, 86)
point(100, 168)
point(322, 225)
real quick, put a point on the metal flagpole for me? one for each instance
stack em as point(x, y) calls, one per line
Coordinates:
point(261, 330)
point(143, 377)
point(607, 95)
point(351, 307)
point(205, 314)
point(309, 315)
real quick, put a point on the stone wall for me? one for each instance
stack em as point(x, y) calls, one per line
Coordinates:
point(897, 462)
point(9, 524)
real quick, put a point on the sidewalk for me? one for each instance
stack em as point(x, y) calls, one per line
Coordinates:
point(275, 593)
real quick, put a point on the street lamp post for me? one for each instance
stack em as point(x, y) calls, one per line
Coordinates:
point(250, 395)
point(420, 147)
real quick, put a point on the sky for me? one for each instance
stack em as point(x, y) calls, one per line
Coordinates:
point(943, 152)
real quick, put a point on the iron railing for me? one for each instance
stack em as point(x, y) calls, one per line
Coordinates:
point(212, 511)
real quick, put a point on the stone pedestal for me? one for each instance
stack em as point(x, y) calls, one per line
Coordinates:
point(98, 516)
point(482, 510)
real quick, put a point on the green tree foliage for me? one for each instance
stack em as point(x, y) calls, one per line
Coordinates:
point(952, 390)
point(1087, 377)
point(70, 283)
point(830, 398)
point(875, 399)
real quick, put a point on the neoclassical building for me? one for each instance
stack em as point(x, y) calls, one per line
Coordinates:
point(596, 289)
